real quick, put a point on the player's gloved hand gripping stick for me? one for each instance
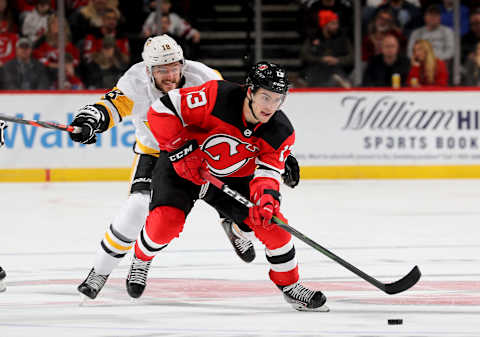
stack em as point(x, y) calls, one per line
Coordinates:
point(90, 120)
point(396, 287)
point(264, 193)
point(188, 161)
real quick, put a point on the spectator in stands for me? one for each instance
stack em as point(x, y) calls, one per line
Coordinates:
point(24, 72)
point(343, 9)
point(165, 24)
point(106, 67)
point(328, 56)
point(8, 33)
point(93, 41)
point(26, 6)
point(83, 20)
point(407, 15)
point(381, 68)
point(441, 37)
point(47, 50)
point(35, 22)
point(383, 24)
point(471, 39)
point(472, 68)
point(72, 81)
point(370, 9)
point(426, 69)
point(178, 28)
point(447, 16)
point(187, 36)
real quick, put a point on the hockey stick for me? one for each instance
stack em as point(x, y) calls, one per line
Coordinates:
point(396, 287)
point(42, 124)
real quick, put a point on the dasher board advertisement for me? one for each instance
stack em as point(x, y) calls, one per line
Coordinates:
point(386, 128)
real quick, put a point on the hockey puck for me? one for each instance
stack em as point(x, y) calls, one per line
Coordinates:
point(395, 321)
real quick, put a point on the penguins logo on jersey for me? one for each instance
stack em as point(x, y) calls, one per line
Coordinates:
point(227, 154)
point(112, 95)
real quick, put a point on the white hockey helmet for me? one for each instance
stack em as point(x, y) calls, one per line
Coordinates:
point(162, 49)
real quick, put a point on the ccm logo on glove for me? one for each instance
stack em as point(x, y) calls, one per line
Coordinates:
point(189, 147)
point(189, 161)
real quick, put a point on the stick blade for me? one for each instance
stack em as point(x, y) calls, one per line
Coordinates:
point(404, 283)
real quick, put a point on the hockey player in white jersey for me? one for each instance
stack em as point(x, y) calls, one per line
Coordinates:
point(163, 69)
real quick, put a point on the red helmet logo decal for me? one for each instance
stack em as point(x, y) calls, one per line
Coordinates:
point(227, 154)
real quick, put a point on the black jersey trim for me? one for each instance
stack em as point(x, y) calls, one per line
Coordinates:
point(264, 167)
point(276, 130)
point(168, 103)
point(229, 104)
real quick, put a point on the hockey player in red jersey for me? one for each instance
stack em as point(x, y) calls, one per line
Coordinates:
point(163, 68)
point(238, 134)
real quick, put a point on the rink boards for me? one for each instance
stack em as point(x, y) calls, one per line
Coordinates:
point(339, 134)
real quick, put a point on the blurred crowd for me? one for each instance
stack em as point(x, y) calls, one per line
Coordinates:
point(404, 42)
point(102, 39)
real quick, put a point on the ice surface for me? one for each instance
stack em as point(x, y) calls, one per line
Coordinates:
point(198, 287)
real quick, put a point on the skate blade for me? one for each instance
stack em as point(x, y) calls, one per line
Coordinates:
point(84, 300)
point(323, 308)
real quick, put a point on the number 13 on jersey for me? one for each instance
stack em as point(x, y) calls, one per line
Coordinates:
point(196, 99)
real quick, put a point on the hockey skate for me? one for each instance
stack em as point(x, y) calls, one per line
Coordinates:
point(3, 274)
point(92, 284)
point(243, 246)
point(304, 299)
point(137, 277)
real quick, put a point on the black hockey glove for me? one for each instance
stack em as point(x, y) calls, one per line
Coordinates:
point(90, 119)
point(3, 126)
point(291, 176)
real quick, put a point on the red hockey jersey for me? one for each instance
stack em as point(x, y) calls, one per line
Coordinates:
point(212, 114)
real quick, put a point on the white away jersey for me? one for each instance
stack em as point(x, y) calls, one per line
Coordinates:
point(134, 94)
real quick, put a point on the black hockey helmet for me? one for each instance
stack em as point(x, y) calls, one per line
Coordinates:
point(269, 76)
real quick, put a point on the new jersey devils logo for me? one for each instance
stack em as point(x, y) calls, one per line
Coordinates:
point(227, 154)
